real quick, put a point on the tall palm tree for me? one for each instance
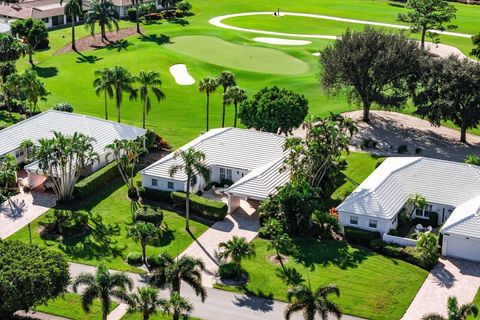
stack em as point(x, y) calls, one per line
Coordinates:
point(8, 170)
point(178, 306)
point(146, 300)
point(74, 9)
point(192, 163)
point(143, 232)
point(455, 312)
point(122, 81)
point(102, 12)
point(172, 272)
point(103, 82)
point(226, 79)
point(208, 85)
point(234, 95)
point(102, 285)
point(149, 81)
point(28, 147)
point(302, 298)
point(236, 249)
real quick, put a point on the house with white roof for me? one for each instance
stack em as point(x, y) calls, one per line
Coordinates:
point(44, 124)
point(249, 158)
point(451, 189)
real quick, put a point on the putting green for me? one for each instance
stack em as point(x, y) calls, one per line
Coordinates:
point(243, 57)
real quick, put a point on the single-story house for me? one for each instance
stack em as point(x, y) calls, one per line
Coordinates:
point(44, 124)
point(451, 189)
point(249, 158)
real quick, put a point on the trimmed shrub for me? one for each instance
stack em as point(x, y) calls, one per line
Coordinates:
point(360, 236)
point(63, 106)
point(155, 195)
point(96, 181)
point(379, 162)
point(153, 16)
point(402, 149)
point(134, 258)
point(228, 271)
point(211, 209)
point(132, 14)
point(149, 214)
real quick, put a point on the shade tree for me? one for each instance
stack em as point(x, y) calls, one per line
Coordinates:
point(32, 31)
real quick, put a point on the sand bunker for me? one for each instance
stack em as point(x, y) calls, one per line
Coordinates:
point(181, 75)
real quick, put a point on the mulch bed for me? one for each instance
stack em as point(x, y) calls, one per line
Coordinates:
point(95, 42)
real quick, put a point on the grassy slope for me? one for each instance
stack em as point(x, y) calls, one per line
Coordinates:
point(70, 306)
point(108, 242)
point(181, 116)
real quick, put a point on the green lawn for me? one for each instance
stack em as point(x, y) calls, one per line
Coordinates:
point(371, 286)
point(70, 306)
point(476, 301)
point(7, 119)
point(108, 241)
point(208, 50)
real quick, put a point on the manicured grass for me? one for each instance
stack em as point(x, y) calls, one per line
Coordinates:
point(475, 301)
point(70, 306)
point(158, 316)
point(107, 241)
point(250, 58)
point(7, 119)
point(371, 286)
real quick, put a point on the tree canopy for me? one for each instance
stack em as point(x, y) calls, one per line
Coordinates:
point(32, 31)
point(29, 276)
point(427, 15)
point(449, 92)
point(476, 46)
point(274, 110)
point(371, 67)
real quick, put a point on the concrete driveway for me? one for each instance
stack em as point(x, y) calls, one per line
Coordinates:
point(451, 277)
point(20, 210)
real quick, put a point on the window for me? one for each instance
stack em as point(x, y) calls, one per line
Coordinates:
point(222, 173)
point(353, 220)
point(170, 185)
point(372, 223)
point(154, 182)
point(46, 20)
point(229, 174)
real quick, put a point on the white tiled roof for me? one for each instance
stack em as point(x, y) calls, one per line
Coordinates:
point(387, 189)
point(44, 124)
point(254, 151)
point(465, 219)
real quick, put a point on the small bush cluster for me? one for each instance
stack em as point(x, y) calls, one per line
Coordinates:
point(368, 143)
point(96, 181)
point(228, 271)
point(360, 236)
point(379, 162)
point(66, 223)
point(134, 258)
point(155, 195)
point(154, 142)
point(402, 149)
point(149, 214)
point(63, 106)
point(207, 208)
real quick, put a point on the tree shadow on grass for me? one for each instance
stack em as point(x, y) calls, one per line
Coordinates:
point(46, 72)
point(160, 40)
point(119, 45)
point(179, 21)
point(165, 239)
point(312, 252)
point(87, 59)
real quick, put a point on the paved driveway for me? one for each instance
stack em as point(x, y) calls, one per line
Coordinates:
point(22, 209)
point(451, 277)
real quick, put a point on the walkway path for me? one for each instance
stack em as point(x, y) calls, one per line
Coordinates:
point(239, 223)
point(22, 209)
point(450, 277)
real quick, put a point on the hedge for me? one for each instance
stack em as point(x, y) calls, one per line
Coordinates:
point(96, 181)
point(155, 195)
point(211, 209)
point(408, 254)
point(360, 236)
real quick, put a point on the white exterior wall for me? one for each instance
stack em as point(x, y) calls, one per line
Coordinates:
point(462, 247)
point(237, 174)
point(162, 183)
point(442, 211)
point(383, 225)
point(405, 242)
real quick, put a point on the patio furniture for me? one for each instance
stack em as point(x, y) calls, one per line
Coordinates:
point(429, 229)
point(419, 227)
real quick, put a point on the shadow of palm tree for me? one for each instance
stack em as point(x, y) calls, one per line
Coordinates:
point(87, 59)
point(160, 40)
point(178, 21)
point(46, 72)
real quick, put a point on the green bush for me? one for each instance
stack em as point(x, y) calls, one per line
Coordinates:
point(228, 271)
point(472, 159)
point(96, 181)
point(379, 162)
point(132, 14)
point(155, 195)
point(402, 149)
point(63, 106)
point(211, 209)
point(149, 214)
point(134, 258)
point(360, 236)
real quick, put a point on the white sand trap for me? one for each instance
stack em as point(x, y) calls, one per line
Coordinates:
point(181, 75)
point(316, 54)
point(287, 42)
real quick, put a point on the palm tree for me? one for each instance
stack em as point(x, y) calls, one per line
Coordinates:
point(103, 285)
point(208, 85)
point(8, 170)
point(103, 82)
point(122, 81)
point(105, 14)
point(74, 9)
point(172, 272)
point(146, 300)
point(177, 306)
point(143, 232)
point(455, 312)
point(302, 298)
point(234, 95)
point(28, 147)
point(226, 79)
point(193, 165)
point(32, 88)
point(149, 81)
point(236, 249)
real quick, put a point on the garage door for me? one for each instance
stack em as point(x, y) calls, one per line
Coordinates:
point(462, 247)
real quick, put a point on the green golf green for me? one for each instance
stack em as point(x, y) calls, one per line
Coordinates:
point(243, 57)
